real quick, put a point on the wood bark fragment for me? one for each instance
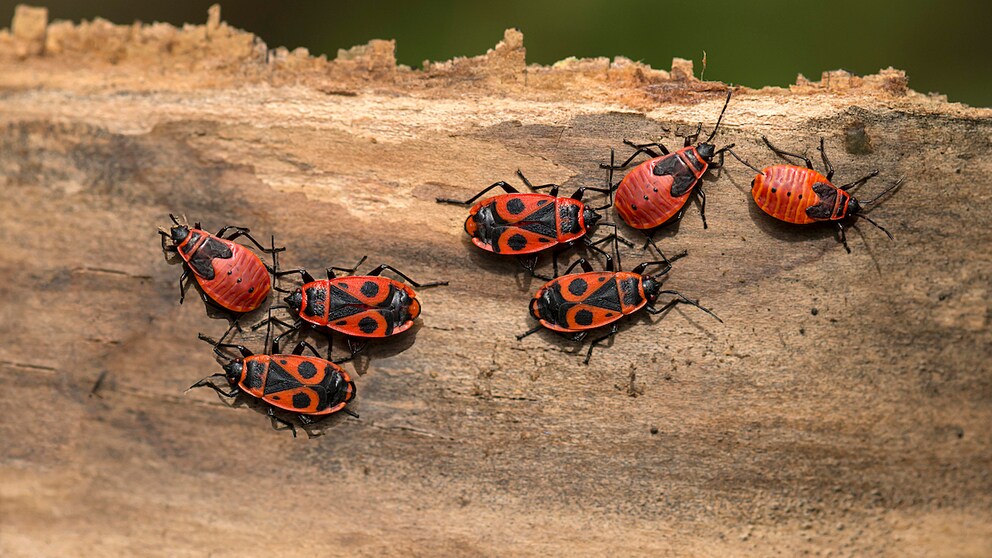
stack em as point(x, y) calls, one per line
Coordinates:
point(843, 406)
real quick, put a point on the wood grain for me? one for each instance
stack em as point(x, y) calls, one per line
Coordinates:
point(843, 407)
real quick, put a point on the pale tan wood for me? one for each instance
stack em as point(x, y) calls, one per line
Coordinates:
point(843, 406)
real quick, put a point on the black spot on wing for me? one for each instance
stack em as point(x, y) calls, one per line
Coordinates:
point(583, 317)
point(301, 400)
point(307, 369)
point(370, 288)
point(202, 260)
point(578, 286)
point(515, 206)
point(517, 242)
point(279, 380)
point(368, 325)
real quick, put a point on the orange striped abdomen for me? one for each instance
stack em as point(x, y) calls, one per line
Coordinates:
point(786, 191)
point(657, 189)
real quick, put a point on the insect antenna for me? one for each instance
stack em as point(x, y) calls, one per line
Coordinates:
point(717, 127)
point(885, 191)
point(221, 354)
point(746, 164)
point(174, 220)
point(880, 227)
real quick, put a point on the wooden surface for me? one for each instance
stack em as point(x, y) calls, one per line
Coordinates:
point(843, 408)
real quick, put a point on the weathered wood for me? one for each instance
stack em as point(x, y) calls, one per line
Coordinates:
point(843, 406)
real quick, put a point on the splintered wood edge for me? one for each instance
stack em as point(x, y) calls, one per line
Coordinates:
point(99, 55)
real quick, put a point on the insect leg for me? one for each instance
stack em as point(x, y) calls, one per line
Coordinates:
point(623, 165)
point(183, 285)
point(598, 340)
point(304, 274)
point(530, 264)
point(535, 329)
point(662, 148)
point(501, 184)
point(207, 383)
point(298, 349)
point(842, 236)
point(702, 203)
point(859, 181)
point(586, 266)
point(347, 270)
point(826, 162)
point(242, 231)
point(780, 153)
point(378, 271)
point(552, 192)
point(680, 300)
point(285, 423)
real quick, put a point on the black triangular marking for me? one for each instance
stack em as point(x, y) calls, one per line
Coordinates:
point(606, 297)
point(278, 380)
point(343, 304)
point(541, 222)
point(828, 199)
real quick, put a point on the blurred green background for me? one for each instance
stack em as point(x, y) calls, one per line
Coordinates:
point(944, 46)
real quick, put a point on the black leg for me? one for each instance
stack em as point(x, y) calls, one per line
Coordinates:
point(611, 237)
point(304, 274)
point(842, 236)
point(581, 191)
point(535, 329)
point(702, 203)
point(859, 181)
point(780, 153)
point(346, 270)
point(299, 348)
point(244, 232)
point(285, 423)
point(506, 188)
point(664, 150)
point(680, 300)
point(183, 284)
point(530, 265)
point(167, 247)
point(218, 345)
point(552, 192)
point(586, 266)
point(826, 162)
point(224, 230)
point(691, 138)
point(592, 246)
point(623, 165)
point(277, 340)
point(598, 340)
point(378, 271)
point(276, 321)
point(354, 347)
point(665, 262)
point(207, 383)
